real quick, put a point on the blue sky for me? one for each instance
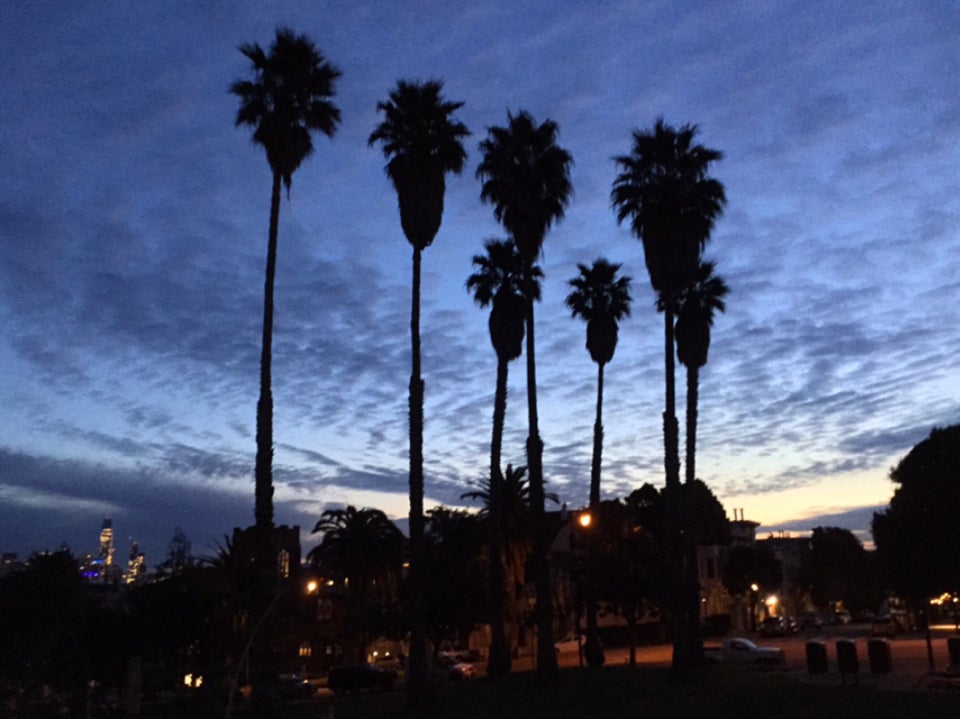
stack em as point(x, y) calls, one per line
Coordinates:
point(133, 223)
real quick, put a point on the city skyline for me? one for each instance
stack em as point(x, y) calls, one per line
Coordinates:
point(133, 222)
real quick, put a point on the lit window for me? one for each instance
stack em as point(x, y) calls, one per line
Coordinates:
point(306, 650)
point(283, 562)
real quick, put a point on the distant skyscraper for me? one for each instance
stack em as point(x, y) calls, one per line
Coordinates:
point(136, 564)
point(106, 542)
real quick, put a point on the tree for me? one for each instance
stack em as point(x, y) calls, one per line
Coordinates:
point(289, 97)
point(672, 204)
point(601, 299)
point(422, 143)
point(698, 302)
point(457, 574)
point(362, 552)
point(516, 528)
point(841, 571)
point(752, 571)
point(500, 280)
point(918, 536)
point(179, 554)
point(525, 176)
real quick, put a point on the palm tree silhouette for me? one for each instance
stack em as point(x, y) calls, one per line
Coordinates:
point(422, 143)
point(499, 280)
point(664, 189)
point(526, 177)
point(516, 530)
point(289, 97)
point(601, 299)
point(697, 303)
point(362, 552)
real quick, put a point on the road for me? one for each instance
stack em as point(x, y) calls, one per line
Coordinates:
point(908, 652)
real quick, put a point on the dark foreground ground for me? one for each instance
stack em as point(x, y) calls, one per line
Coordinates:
point(621, 692)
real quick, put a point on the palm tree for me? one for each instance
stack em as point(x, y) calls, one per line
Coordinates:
point(697, 303)
point(362, 552)
point(664, 189)
point(500, 280)
point(601, 299)
point(289, 97)
point(422, 143)
point(526, 177)
point(516, 530)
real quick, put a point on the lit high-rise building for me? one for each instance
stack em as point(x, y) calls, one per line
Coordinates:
point(106, 542)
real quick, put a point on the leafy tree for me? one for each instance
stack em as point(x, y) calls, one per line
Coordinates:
point(179, 555)
point(500, 280)
point(698, 302)
point(601, 299)
point(525, 176)
point(289, 97)
point(456, 574)
point(621, 565)
point(749, 565)
point(841, 570)
point(58, 636)
point(672, 204)
point(918, 535)
point(422, 143)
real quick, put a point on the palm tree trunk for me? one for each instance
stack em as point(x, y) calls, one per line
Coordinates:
point(692, 576)
point(499, 661)
point(593, 651)
point(672, 520)
point(418, 685)
point(263, 506)
point(546, 655)
point(693, 390)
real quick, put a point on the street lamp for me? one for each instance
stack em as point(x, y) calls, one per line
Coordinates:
point(753, 606)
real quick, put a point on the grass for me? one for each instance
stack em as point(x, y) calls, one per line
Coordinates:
point(622, 693)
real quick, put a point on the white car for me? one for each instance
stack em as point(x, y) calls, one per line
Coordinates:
point(570, 643)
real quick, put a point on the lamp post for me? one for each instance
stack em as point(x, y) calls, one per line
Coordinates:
point(753, 606)
point(593, 649)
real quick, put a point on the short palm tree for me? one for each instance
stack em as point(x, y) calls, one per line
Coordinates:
point(525, 175)
point(289, 97)
point(698, 302)
point(422, 143)
point(499, 280)
point(362, 551)
point(601, 299)
point(672, 203)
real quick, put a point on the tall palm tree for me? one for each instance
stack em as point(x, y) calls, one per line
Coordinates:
point(698, 302)
point(672, 204)
point(422, 143)
point(289, 97)
point(499, 280)
point(601, 299)
point(525, 175)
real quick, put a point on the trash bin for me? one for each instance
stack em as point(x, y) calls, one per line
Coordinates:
point(817, 657)
point(953, 650)
point(847, 659)
point(878, 651)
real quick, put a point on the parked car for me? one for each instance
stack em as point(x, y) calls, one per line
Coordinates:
point(884, 626)
point(775, 627)
point(455, 667)
point(842, 617)
point(570, 643)
point(737, 650)
point(353, 677)
point(811, 620)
